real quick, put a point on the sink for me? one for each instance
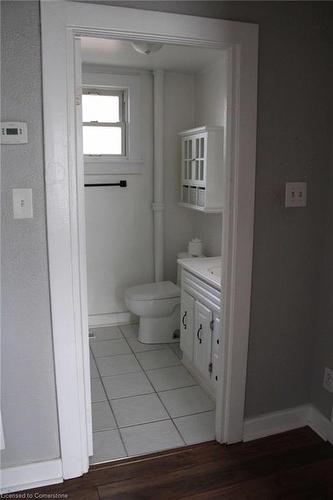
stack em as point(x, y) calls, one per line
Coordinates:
point(215, 271)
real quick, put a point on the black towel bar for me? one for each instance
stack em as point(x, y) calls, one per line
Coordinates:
point(122, 184)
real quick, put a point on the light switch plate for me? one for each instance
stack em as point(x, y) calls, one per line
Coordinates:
point(22, 203)
point(296, 194)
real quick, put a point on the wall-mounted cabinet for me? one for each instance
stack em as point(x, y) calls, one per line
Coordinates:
point(202, 169)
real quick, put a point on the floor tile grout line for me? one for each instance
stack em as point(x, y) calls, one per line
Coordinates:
point(192, 414)
point(113, 355)
point(94, 340)
point(181, 437)
point(193, 385)
point(109, 401)
point(172, 419)
point(165, 390)
point(168, 366)
point(160, 420)
point(121, 437)
point(146, 423)
point(133, 396)
point(106, 430)
point(140, 352)
point(124, 373)
point(113, 414)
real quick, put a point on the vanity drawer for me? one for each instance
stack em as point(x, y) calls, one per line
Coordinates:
point(202, 291)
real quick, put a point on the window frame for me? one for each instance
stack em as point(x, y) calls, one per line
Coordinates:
point(122, 93)
point(95, 76)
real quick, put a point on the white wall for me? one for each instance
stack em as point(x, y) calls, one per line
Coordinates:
point(119, 221)
point(28, 397)
point(119, 225)
point(179, 115)
point(210, 109)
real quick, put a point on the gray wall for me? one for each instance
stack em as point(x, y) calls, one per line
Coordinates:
point(28, 399)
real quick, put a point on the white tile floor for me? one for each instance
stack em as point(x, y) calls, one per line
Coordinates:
point(143, 399)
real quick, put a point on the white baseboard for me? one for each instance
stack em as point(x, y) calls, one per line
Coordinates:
point(32, 475)
point(287, 420)
point(320, 424)
point(275, 422)
point(111, 319)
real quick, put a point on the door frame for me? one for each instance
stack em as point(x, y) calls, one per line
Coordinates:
point(62, 22)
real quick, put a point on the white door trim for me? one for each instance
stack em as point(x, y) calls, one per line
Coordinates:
point(61, 22)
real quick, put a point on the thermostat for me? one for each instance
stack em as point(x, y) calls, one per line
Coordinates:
point(14, 133)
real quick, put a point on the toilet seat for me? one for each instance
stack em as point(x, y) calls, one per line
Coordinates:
point(153, 291)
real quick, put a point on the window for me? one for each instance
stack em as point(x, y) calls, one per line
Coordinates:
point(104, 120)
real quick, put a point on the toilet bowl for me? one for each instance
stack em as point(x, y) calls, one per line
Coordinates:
point(158, 307)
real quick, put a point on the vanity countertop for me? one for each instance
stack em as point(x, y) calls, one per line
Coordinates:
point(207, 268)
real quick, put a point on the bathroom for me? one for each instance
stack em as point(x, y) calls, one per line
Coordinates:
point(130, 244)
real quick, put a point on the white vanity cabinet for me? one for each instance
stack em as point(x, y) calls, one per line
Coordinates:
point(202, 169)
point(200, 330)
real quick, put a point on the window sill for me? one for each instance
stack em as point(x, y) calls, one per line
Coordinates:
point(104, 166)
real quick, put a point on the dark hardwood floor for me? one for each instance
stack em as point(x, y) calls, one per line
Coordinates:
point(292, 465)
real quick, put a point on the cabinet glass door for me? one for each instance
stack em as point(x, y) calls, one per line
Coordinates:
point(199, 163)
point(186, 324)
point(202, 339)
point(188, 159)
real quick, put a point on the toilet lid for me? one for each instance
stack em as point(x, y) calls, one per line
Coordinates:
point(160, 290)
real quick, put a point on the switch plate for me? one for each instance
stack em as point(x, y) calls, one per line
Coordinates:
point(296, 194)
point(22, 203)
point(328, 380)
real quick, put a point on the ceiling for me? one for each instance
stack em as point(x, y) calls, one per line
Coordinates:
point(178, 58)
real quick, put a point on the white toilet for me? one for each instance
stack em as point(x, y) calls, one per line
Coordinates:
point(158, 306)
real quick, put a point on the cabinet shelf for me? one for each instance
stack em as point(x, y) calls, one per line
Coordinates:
point(210, 210)
point(202, 169)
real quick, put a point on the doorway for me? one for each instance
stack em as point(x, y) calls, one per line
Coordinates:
point(61, 25)
point(144, 398)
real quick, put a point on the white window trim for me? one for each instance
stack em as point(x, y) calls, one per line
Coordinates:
point(122, 123)
point(133, 161)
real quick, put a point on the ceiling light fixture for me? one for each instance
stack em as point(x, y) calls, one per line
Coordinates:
point(146, 47)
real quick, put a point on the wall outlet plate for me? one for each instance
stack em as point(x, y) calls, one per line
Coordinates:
point(295, 194)
point(328, 380)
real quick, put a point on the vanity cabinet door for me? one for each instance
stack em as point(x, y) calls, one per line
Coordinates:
point(202, 339)
point(186, 324)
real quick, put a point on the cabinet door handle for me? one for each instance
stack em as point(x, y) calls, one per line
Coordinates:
point(198, 334)
point(183, 320)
